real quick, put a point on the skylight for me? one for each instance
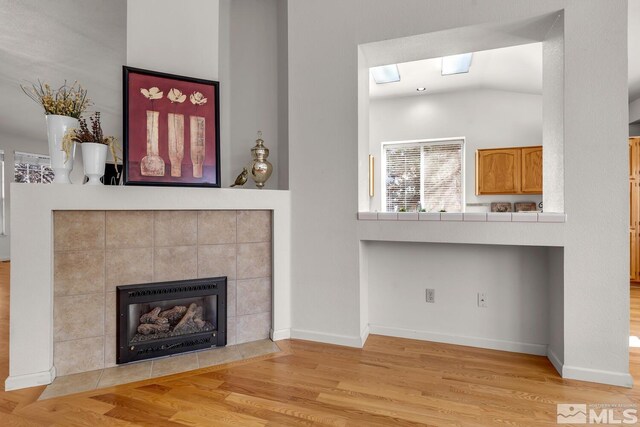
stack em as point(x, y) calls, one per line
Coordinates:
point(385, 74)
point(456, 64)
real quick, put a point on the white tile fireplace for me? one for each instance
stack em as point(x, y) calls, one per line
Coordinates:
point(32, 359)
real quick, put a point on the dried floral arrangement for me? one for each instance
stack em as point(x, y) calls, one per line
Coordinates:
point(67, 100)
point(93, 134)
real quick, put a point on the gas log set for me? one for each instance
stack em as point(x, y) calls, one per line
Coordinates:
point(179, 320)
point(167, 318)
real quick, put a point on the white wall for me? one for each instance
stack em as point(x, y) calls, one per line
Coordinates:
point(253, 78)
point(323, 128)
point(10, 144)
point(553, 101)
point(516, 316)
point(634, 111)
point(486, 118)
point(556, 306)
point(174, 37)
point(234, 42)
point(283, 95)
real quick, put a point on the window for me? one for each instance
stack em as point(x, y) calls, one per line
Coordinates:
point(423, 174)
point(33, 168)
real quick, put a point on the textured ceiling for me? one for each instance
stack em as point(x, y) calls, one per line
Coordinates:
point(54, 41)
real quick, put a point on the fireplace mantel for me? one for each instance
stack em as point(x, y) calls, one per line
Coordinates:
point(32, 206)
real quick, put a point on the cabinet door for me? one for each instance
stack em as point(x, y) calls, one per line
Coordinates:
point(633, 204)
point(498, 171)
point(531, 170)
point(634, 208)
point(633, 245)
point(633, 149)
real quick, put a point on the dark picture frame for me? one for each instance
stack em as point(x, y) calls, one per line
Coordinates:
point(171, 129)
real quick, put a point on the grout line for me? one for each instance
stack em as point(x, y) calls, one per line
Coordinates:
point(77, 295)
point(104, 311)
point(104, 330)
point(235, 276)
point(78, 339)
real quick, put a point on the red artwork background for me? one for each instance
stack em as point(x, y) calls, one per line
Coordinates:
point(137, 128)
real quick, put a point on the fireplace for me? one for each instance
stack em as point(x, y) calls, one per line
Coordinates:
point(161, 319)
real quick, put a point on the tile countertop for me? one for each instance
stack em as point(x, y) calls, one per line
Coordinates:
point(544, 217)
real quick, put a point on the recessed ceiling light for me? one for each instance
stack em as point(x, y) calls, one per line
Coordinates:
point(421, 89)
point(456, 64)
point(385, 74)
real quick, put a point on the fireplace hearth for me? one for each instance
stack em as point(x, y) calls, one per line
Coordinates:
point(161, 319)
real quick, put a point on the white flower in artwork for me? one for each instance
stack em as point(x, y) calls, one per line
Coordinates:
point(176, 96)
point(152, 93)
point(197, 98)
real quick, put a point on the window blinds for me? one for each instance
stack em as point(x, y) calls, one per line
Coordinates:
point(423, 174)
point(31, 159)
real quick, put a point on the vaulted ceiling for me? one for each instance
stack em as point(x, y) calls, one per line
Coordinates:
point(515, 68)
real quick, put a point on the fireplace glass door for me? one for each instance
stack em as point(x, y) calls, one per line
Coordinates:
point(159, 319)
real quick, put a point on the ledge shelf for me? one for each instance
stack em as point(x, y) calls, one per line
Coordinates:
point(545, 217)
point(517, 229)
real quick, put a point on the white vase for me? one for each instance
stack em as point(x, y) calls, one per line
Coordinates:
point(57, 126)
point(94, 157)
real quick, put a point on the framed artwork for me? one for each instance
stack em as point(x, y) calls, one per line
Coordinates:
point(171, 130)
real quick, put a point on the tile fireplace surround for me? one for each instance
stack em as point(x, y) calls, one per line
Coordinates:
point(72, 245)
point(95, 251)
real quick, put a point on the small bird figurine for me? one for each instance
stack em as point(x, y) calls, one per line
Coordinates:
point(242, 178)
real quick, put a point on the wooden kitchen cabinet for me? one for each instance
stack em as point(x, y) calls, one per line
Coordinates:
point(531, 170)
point(633, 250)
point(516, 170)
point(498, 171)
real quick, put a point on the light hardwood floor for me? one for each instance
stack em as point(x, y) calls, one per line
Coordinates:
point(389, 382)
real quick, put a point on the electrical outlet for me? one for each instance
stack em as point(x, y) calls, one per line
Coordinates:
point(482, 300)
point(431, 295)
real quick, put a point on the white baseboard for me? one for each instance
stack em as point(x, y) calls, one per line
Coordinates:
point(518, 347)
point(280, 334)
point(555, 360)
point(16, 382)
point(364, 335)
point(621, 379)
point(346, 340)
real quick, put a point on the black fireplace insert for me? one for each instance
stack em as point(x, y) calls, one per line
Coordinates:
point(161, 319)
